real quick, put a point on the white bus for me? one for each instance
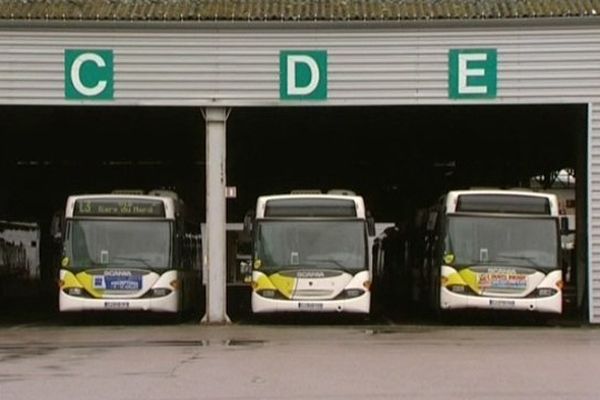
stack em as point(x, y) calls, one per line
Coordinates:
point(128, 252)
point(310, 254)
point(495, 249)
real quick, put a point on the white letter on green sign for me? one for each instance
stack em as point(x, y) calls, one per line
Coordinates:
point(472, 73)
point(76, 74)
point(303, 75)
point(292, 88)
point(89, 74)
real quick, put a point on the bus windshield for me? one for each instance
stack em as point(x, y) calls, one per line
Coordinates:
point(118, 244)
point(311, 244)
point(511, 241)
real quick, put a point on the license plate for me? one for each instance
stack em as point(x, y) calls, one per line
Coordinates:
point(310, 306)
point(502, 303)
point(130, 283)
point(503, 281)
point(116, 305)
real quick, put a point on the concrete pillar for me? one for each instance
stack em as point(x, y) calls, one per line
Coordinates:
point(216, 259)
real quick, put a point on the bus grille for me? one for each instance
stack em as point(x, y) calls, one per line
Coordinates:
point(309, 293)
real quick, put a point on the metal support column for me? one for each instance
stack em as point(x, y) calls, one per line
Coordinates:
point(216, 259)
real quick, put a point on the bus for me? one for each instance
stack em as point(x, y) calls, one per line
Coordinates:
point(129, 252)
point(310, 253)
point(494, 249)
point(20, 272)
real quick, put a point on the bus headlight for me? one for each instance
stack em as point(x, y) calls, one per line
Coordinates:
point(350, 294)
point(269, 293)
point(75, 291)
point(545, 292)
point(457, 288)
point(158, 292)
point(460, 289)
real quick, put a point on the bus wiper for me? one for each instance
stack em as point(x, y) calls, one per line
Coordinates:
point(312, 264)
point(312, 261)
point(338, 264)
point(140, 260)
point(470, 264)
point(87, 264)
point(531, 260)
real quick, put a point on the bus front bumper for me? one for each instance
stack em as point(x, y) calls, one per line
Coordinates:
point(452, 301)
point(358, 305)
point(168, 303)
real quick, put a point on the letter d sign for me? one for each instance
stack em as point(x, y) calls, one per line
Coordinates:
point(303, 75)
point(89, 74)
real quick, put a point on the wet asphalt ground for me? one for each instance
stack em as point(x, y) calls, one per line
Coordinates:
point(400, 355)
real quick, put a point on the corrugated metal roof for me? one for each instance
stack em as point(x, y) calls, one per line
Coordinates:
point(292, 10)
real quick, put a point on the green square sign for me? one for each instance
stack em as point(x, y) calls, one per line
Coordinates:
point(472, 73)
point(89, 74)
point(303, 75)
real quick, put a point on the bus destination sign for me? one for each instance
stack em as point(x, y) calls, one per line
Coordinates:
point(119, 208)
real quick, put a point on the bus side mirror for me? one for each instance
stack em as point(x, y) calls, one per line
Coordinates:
point(246, 271)
point(370, 226)
point(245, 268)
point(56, 226)
point(248, 222)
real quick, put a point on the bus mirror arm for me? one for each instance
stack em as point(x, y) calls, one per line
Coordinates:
point(371, 226)
point(56, 226)
point(564, 226)
point(248, 218)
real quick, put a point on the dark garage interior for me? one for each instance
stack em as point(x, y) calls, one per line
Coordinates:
point(398, 158)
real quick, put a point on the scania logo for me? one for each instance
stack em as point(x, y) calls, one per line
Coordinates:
point(117, 273)
point(310, 274)
point(501, 270)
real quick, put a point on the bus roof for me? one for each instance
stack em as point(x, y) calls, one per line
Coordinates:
point(310, 206)
point(502, 201)
point(121, 206)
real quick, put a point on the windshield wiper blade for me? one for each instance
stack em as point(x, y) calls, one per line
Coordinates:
point(141, 260)
point(327, 261)
point(86, 265)
point(531, 260)
point(338, 265)
point(311, 266)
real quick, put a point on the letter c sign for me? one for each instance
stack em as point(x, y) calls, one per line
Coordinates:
point(89, 74)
